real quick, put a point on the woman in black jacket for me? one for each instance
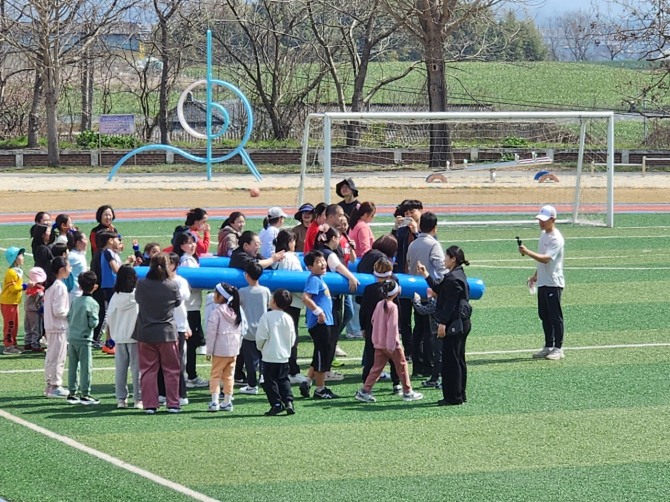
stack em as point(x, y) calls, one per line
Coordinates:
point(450, 291)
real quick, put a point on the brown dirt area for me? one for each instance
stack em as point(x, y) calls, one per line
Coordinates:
point(33, 192)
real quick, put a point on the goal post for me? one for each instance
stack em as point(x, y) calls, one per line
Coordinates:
point(490, 157)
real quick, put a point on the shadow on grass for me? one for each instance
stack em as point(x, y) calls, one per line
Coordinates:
point(485, 362)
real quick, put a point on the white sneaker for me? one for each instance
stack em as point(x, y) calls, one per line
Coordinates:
point(339, 352)
point(226, 407)
point(202, 350)
point(412, 396)
point(213, 407)
point(138, 405)
point(249, 390)
point(297, 379)
point(192, 383)
point(555, 355)
point(384, 376)
point(333, 376)
point(541, 354)
point(364, 397)
point(261, 380)
point(397, 390)
point(58, 393)
point(354, 336)
point(162, 399)
point(121, 404)
point(183, 401)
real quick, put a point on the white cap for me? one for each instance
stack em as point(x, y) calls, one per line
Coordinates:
point(276, 212)
point(546, 212)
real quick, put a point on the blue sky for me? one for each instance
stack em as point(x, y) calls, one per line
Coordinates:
point(542, 9)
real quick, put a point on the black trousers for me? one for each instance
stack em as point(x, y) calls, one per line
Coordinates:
point(550, 312)
point(454, 368)
point(405, 310)
point(293, 368)
point(252, 360)
point(422, 346)
point(369, 359)
point(276, 383)
point(182, 365)
point(192, 344)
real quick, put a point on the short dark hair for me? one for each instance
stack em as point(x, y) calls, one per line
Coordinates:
point(387, 244)
point(253, 269)
point(282, 298)
point(427, 222)
point(311, 257)
point(103, 237)
point(87, 281)
point(411, 205)
point(102, 209)
point(126, 279)
point(246, 238)
point(58, 249)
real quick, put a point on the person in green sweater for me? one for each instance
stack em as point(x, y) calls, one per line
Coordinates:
point(82, 319)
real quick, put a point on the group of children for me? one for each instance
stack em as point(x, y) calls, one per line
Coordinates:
point(252, 324)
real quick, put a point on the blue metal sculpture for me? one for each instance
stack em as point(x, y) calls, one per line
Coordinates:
point(209, 136)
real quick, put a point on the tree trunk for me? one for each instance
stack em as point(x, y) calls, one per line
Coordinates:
point(353, 130)
point(34, 116)
point(51, 104)
point(164, 94)
point(440, 135)
point(86, 93)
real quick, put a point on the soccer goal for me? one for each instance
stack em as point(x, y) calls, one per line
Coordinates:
point(490, 166)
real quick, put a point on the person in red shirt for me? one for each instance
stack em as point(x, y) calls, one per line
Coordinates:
point(313, 229)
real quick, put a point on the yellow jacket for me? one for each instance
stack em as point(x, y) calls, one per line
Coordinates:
point(12, 287)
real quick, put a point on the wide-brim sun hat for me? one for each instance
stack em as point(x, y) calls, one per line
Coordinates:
point(12, 254)
point(37, 274)
point(305, 208)
point(350, 183)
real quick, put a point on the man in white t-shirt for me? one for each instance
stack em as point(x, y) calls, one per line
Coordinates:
point(548, 278)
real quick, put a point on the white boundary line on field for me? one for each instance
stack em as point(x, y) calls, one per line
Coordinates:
point(109, 459)
point(481, 353)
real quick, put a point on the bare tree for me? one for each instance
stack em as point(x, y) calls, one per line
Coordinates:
point(351, 36)
point(265, 42)
point(432, 22)
point(579, 31)
point(55, 33)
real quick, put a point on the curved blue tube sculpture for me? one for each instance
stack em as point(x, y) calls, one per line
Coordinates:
point(208, 277)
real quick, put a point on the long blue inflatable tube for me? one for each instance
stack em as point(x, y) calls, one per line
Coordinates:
point(209, 277)
point(224, 261)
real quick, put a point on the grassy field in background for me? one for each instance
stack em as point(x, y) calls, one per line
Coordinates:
point(589, 427)
point(526, 85)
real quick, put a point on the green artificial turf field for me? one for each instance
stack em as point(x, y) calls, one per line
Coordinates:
point(592, 426)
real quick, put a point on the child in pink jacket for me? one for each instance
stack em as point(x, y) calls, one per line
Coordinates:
point(224, 339)
point(386, 341)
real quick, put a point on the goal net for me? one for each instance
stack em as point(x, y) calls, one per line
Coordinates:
point(488, 166)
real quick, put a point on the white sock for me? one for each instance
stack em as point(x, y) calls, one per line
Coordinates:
point(215, 397)
point(226, 398)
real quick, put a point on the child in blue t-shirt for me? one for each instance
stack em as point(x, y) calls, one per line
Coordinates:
point(320, 324)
